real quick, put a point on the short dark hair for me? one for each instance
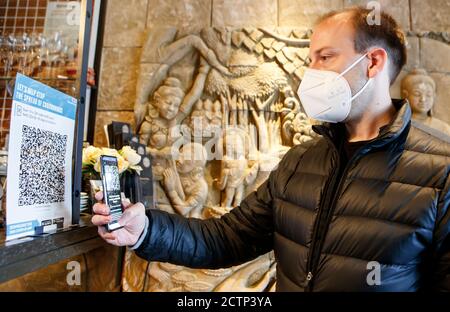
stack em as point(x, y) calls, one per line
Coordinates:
point(386, 34)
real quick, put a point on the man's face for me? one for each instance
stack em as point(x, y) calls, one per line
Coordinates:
point(332, 48)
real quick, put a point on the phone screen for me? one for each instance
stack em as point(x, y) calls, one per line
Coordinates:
point(111, 189)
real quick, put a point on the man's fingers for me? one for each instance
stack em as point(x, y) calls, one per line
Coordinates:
point(109, 237)
point(100, 220)
point(101, 209)
point(131, 212)
point(126, 203)
point(99, 195)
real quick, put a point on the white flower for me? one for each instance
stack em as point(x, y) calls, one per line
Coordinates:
point(127, 158)
point(136, 168)
point(122, 163)
point(90, 154)
point(110, 152)
point(130, 155)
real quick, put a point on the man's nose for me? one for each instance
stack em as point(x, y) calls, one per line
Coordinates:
point(314, 65)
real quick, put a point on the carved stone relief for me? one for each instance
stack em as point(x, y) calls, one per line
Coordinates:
point(420, 90)
point(217, 111)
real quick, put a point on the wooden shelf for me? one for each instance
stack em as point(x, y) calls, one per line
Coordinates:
point(28, 254)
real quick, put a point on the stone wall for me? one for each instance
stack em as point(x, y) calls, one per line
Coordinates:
point(426, 23)
point(139, 52)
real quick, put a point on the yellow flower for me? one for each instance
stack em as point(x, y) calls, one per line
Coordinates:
point(97, 164)
point(127, 158)
point(109, 152)
point(90, 154)
point(122, 164)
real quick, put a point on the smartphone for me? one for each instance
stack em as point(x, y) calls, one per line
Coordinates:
point(111, 190)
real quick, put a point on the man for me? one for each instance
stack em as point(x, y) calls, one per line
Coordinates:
point(364, 208)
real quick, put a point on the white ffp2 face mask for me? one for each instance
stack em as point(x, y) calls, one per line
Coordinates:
point(326, 95)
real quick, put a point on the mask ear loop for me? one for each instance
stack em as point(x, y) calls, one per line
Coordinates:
point(349, 68)
point(362, 89)
point(353, 65)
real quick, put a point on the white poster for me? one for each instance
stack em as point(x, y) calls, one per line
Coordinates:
point(39, 185)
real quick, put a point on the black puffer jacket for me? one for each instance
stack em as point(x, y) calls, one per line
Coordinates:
point(391, 206)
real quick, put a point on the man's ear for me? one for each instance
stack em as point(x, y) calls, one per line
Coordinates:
point(377, 61)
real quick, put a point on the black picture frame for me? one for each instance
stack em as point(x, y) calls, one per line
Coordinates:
point(83, 52)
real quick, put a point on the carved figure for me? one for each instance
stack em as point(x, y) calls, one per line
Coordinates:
point(420, 90)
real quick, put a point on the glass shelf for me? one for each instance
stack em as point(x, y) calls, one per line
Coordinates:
point(47, 41)
point(44, 78)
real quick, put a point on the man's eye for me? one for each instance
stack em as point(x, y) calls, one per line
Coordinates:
point(324, 57)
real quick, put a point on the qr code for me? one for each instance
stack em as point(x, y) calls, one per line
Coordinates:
point(112, 177)
point(42, 167)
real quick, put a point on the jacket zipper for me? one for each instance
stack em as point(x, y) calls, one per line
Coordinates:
point(317, 229)
point(324, 229)
point(321, 227)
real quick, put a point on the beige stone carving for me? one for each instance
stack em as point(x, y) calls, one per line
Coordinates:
point(185, 184)
point(256, 276)
point(420, 90)
point(235, 172)
point(217, 112)
point(298, 127)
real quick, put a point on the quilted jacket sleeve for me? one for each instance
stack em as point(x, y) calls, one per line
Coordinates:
point(237, 237)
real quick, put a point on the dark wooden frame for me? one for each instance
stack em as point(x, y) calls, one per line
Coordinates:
point(21, 256)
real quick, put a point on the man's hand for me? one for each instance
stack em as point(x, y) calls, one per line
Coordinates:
point(132, 220)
